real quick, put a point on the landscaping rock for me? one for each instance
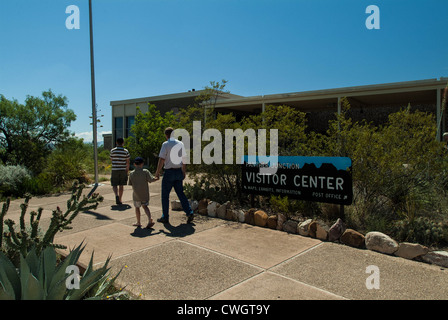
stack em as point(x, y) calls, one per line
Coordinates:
point(439, 258)
point(272, 222)
point(352, 238)
point(281, 219)
point(315, 230)
point(336, 230)
point(176, 205)
point(260, 218)
point(321, 233)
point(241, 215)
point(411, 250)
point(194, 204)
point(290, 226)
point(222, 210)
point(378, 241)
point(231, 215)
point(249, 216)
point(312, 228)
point(303, 227)
point(211, 208)
point(202, 207)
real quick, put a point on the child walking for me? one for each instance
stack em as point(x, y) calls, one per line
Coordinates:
point(139, 179)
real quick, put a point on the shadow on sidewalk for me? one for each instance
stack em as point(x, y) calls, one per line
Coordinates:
point(182, 230)
point(120, 207)
point(179, 231)
point(97, 215)
point(144, 232)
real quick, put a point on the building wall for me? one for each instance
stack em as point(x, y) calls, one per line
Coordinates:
point(377, 114)
point(124, 111)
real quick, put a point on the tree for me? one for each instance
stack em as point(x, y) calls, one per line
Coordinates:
point(211, 94)
point(28, 131)
point(203, 108)
point(148, 134)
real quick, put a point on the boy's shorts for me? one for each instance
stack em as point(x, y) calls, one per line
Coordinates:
point(118, 178)
point(138, 204)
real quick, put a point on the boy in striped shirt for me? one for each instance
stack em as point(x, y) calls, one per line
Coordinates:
point(120, 168)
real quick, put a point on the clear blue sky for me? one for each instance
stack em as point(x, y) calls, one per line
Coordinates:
point(153, 47)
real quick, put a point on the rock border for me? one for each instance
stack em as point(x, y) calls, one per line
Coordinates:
point(374, 240)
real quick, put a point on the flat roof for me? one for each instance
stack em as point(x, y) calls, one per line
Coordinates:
point(172, 96)
point(368, 94)
point(420, 90)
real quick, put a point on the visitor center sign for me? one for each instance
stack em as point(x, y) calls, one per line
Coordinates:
point(319, 179)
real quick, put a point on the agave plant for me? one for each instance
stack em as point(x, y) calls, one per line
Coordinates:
point(41, 277)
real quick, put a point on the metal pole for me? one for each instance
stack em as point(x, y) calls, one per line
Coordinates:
point(94, 116)
point(439, 114)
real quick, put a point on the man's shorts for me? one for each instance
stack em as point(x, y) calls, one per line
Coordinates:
point(138, 204)
point(118, 178)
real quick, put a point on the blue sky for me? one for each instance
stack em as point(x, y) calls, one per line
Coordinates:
point(154, 47)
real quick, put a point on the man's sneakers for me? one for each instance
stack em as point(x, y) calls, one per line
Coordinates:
point(190, 218)
point(163, 220)
point(117, 200)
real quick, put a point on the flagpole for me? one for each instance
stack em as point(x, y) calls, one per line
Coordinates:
point(94, 110)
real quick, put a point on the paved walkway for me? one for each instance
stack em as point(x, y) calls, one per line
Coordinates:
point(217, 259)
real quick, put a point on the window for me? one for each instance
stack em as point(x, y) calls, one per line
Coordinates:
point(129, 122)
point(118, 128)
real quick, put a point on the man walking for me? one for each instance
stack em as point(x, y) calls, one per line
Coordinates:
point(171, 158)
point(120, 168)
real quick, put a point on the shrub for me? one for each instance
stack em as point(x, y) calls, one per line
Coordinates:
point(201, 188)
point(68, 162)
point(13, 180)
point(391, 163)
point(40, 184)
point(148, 134)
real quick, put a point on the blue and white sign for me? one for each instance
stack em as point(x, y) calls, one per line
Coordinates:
point(320, 179)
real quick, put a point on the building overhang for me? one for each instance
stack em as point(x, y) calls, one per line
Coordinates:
point(421, 91)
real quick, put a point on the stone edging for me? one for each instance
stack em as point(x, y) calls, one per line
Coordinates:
point(375, 241)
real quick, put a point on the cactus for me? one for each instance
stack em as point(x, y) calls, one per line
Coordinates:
point(421, 230)
point(5, 208)
point(14, 242)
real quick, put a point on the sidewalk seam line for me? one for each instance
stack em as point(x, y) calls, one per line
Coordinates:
point(222, 254)
point(308, 285)
point(296, 255)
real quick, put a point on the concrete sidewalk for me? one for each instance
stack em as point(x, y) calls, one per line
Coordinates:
point(218, 259)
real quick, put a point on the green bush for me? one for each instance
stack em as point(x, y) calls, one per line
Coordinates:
point(69, 161)
point(148, 134)
point(291, 207)
point(13, 180)
point(391, 163)
point(201, 188)
point(40, 185)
